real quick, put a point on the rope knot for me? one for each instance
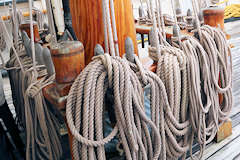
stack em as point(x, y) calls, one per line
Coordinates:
point(35, 87)
point(107, 62)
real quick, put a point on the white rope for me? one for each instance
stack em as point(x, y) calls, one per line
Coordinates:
point(109, 28)
point(162, 19)
point(114, 27)
point(15, 24)
point(32, 37)
point(155, 38)
point(51, 23)
point(85, 116)
point(10, 43)
point(105, 27)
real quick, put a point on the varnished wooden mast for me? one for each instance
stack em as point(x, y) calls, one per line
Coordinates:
point(88, 24)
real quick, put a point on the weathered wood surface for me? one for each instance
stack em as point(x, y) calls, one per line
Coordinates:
point(214, 17)
point(26, 27)
point(214, 148)
point(224, 131)
point(88, 24)
point(52, 95)
point(68, 60)
point(232, 28)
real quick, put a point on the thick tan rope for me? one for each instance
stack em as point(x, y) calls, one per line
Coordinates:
point(173, 70)
point(40, 124)
point(220, 61)
point(207, 62)
point(85, 107)
point(201, 106)
point(110, 31)
point(3, 44)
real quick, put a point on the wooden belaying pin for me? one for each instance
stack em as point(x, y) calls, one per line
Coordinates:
point(175, 30)
point(26, 43)
point(179, 15)
point(39, 54)
point(151, 38)
point(98, 50)
point(140, 12)
point(48, 61)
point(200, 17)
point(129, 49)
point(176, 33)
point(195, 28)
point(189, 20)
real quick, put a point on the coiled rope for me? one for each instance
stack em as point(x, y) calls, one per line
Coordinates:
point(212, 61)
point(202, 109)
point(42, 138)
point(161, 113)
point(41, 126)
point(204, 66)
point(219, 54)
point(173, 70)
point(178, 110)
point(85, 107)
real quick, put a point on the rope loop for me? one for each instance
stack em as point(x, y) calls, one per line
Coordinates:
point(106, 61)
point(37, 86)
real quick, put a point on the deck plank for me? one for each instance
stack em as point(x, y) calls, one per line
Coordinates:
point(228, 152)
point(215, 147)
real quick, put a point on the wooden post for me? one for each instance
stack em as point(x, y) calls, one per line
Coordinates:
point(88, 24)
point(214, 17)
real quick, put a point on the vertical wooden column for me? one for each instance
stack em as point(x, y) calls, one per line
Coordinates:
point(214, 16)
point(88, 24)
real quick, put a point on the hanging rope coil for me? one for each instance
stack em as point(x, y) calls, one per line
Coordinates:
point(219, 57)
point(172, 69)
point(40, 124)
point(42, 138)
point(214, 68)
point(202, 111)
point(219, 54)
point(177, 76)
point(85, 108)
point(162, 114)
point(216, 45)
